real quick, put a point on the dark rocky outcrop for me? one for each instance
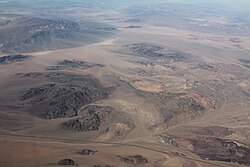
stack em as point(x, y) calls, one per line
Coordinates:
point(30, 75)
point(169, 140)
point(29, 33)
point(66, 162)
point(88, 152)
point(102, 120)
point(61, 77)
point(156, 52)
point(13, 58)
point(64, 97)
point(216, 131)
point(222, 150)
point(135, 159)
point(207, 67)
point(246, 61)
point(73, 63)
point(91, 119)
point(132, 26)
point(78, 64)
point(54, 28)
point(145, 49)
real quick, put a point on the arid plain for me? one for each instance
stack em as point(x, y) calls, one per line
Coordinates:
point(134, 94)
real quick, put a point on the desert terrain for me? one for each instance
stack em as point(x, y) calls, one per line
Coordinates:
point(123, 84)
